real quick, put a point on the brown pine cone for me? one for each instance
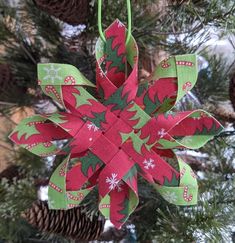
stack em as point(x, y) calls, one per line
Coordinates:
point(73, 223)
point(73, 12)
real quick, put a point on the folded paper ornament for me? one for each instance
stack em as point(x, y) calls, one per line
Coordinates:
point(129, 131)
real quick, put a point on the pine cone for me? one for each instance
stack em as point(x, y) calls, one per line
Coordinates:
point(73, 223)
point(73, 12)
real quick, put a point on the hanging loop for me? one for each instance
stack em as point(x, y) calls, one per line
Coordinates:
point(128, 2)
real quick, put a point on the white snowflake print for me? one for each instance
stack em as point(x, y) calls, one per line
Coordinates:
point(119, 186)
point(149, 163)
point(170, 197)
point(162, 133)
point(52, 73)
point(92, 126)
point(120, 24)
point(112, 181)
